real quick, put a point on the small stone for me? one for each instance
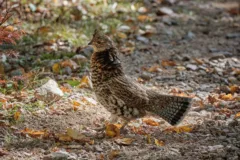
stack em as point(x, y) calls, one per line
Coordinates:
point(124, 28)
point(164, 11)
point(142, 39)
point(49, 92)
point(67, 70)
point(225, 89)
point(192, 67)
point(80, 59)
point(232, 35)
point(233, 80)
point(17, 72)
point(59, 155)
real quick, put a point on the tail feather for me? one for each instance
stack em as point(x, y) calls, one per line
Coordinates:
point(171, 108)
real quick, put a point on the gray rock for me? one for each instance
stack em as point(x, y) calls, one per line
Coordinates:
point(60, 155)
point(192, 67)
point(80, 59)
point(142, 39)
point(232, 35)
point(49, 92)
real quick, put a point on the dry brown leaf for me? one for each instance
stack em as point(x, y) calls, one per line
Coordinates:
point(17, 115)
point(69, 63)
point(234, 89)
point(167, 63)
point(64, 138)
point(154, 68)
point(121, 35)
point(113, 130)
point(148, 136)
point(159, 142)
point(180, 129)
point(237, 115)
point(113, 154)
point(34, 133)
point(44, 29)
point(150, 122)
point(85, 82)
point(199, 61)
point(124, 141)
point(65, 89)
point(212, 99)
point(226, 97)
point(56, 68)
point(75, 105)
point(143, 18)
point(3, 152)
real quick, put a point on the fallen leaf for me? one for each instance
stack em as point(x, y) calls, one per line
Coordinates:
point(124, 141)
point(234, 89)
point(148, 136)
point(34, 133)
point(88, 101)
point(113, 154)
point(212, 99)
point(85, 82)
point(69, 63)
point(150, 122)
point(75, 105)
point(237, 115)
point(3, 152)
point(167, 63)
point(113, 130)
point(17, 115)
point(158, 142)
point(75, 135)
point(154, 68)
point(65, 89)
point(56, 68)
point(9, 28)
point(180, 129)
point(226, 97)
point(121, 35)
point(143, 18)
point(64, 138)
point(199, 61)
point(44, 29)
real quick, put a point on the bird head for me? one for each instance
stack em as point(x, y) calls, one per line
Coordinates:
point(100, 42)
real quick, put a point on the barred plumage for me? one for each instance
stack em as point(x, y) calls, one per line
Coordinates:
point(123, 97)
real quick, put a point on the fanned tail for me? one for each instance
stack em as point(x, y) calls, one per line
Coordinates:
point(171, 108)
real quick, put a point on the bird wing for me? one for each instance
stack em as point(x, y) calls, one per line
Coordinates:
point(131, 93)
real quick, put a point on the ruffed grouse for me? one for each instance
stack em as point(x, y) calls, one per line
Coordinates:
point(123, 97)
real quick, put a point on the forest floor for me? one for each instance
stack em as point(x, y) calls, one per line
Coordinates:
point(185, 48)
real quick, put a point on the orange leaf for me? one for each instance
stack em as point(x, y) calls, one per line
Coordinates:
point(158, 142)
point(143, 18)
point(124, 141)
point(85, 82)
point(226, 97)
point(56, 68)
point(34, 133)
point(237, 115)
point(154, 68)
point(65, 89)
point(64, 137)
point(150, 122)
point(212, 99)
point(180, 129)
point(167, 63)
point(234, 88)
point(113, 130)
point(17, 115)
